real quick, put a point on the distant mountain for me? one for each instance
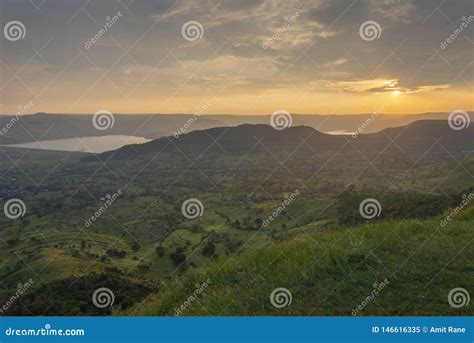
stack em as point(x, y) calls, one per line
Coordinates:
point(417, 138)
point(9, 155)
point(235, 140)
point(44, 126)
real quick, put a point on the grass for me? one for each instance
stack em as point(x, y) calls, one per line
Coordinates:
point(329, 269)
point(332, 271)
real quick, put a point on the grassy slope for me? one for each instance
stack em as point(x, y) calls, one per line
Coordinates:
point(332, 271)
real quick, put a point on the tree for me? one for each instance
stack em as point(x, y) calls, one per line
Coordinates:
point(209, 249)
point(135, 246)
point(160, 251)
point(178, 256)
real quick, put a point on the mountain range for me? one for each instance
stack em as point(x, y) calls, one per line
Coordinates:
point(46, 126)
point(415, 138)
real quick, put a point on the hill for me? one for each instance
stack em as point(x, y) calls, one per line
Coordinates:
point(408, 267)
point(414, 138)
point(9, 154)
point(44, 126)
point(47, 126)
point(72, 234)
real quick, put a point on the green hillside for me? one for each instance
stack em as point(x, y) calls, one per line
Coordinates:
point(414, 264)
point(72, 241)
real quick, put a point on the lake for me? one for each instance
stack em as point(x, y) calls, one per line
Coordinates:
point(340, 133)
point(84, 144)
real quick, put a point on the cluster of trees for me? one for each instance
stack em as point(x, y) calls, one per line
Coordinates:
point(113, 252)
point(73, 296)
point(178, 256)
point(394, 205)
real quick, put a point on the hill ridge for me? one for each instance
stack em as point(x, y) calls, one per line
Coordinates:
point(415, 137)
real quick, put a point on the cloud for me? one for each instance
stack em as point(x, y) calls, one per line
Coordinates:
point(248, 45)
point(396, 10)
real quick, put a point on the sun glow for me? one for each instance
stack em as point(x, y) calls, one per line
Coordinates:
point(396, 93)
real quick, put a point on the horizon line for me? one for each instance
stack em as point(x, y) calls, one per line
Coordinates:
point(235, 114)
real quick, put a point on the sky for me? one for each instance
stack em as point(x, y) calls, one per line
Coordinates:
point(236, 56)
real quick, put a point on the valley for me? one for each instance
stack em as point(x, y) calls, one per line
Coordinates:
point(144, 247)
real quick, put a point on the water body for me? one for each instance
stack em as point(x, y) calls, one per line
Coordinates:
point(340, 132)
point(84, 144)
